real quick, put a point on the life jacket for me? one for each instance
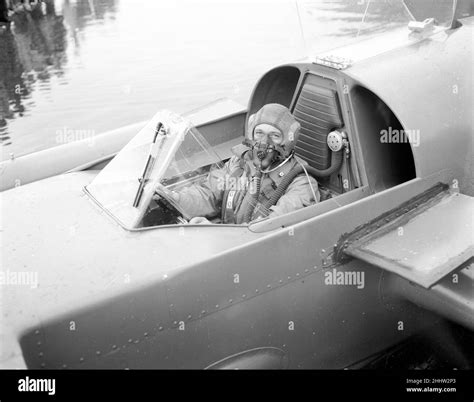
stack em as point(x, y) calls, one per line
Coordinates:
point(238, 194)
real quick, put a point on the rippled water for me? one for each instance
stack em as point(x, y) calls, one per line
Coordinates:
point(94, 65)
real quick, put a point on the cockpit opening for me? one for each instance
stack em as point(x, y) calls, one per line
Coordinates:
point(385, 143)
point(212, 175)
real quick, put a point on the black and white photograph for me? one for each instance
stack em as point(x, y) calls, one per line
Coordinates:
point(278, 188)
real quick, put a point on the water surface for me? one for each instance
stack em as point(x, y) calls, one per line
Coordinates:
point(88, 66)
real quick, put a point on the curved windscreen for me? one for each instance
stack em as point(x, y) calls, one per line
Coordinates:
point(443, 11)
point(167, 152)
point(330, 24)
point(336, 23)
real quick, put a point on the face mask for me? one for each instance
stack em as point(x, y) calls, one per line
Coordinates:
point(264, 155)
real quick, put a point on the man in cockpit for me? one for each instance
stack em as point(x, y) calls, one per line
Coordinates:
point(263, 179)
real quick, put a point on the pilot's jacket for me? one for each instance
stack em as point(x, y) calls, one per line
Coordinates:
point(224, 191)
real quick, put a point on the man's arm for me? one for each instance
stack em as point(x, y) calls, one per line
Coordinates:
point(298, 195)
point(205, 199)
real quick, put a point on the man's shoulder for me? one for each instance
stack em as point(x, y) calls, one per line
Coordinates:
point(278, 174)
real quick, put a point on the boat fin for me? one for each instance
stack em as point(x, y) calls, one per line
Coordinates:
point(423, 240)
